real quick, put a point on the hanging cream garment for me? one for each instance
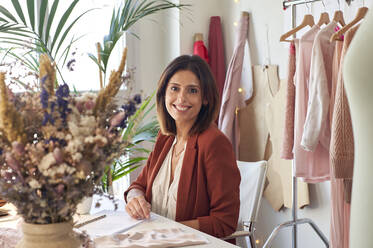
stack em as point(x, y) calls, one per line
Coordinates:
point(280, 170)
point(254, 131)
point(254, 138)
point(164, 194)
point(255, 144)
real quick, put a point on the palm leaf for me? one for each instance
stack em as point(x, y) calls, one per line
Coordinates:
point(126, 16)
point(50, 20)
point(27, 58)
point(6, 13)
point(39, 37)
point(19, 11)
point(31, 13)
point(67, 31)
point(135, 120)
point(126, 167)
point(42, 11)
point(62, 22)
point(134, 134)
point(66, 51)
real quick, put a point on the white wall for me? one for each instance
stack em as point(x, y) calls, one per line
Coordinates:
point(267, 19)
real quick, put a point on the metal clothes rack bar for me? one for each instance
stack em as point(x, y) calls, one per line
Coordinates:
point(295, 221)
point(291, 3)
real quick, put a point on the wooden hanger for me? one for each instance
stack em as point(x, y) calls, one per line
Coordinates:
point(338, 18)
point(361, 12)
point(307, 21)
point(324, 19)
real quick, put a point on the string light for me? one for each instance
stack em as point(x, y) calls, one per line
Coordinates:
point(240, 90)
point(257, 241)
point(235, 23)
point(236, 1)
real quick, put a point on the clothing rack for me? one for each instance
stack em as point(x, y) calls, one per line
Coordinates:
point(292, 3)
point(295, 221)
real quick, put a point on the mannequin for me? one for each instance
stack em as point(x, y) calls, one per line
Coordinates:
point(199, 47)
point(358, 77)
point(198, 37)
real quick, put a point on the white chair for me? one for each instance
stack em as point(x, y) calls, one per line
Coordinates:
point(253, 175)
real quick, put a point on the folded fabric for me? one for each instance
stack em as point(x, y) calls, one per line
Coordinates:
point(9, 237)
point(171, 237)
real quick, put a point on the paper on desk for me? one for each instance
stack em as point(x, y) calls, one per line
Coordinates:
point(114, 222)
point(156, 238)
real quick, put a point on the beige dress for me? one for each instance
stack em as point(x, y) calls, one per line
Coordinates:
point(164, 194)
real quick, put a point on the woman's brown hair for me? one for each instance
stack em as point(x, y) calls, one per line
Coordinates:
point(208, 112)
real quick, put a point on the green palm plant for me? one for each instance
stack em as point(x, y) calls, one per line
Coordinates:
point(138, 130)
point(129, 13)
point(36, 32)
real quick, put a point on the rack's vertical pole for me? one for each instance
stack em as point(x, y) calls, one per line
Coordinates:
point(294, 183)
point(295, 217)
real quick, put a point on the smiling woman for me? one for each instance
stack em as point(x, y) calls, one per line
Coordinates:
point(184, 175)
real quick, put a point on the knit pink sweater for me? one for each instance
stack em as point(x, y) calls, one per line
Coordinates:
point(288, 140)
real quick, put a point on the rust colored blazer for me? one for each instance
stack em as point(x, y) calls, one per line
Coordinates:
point(209, 181)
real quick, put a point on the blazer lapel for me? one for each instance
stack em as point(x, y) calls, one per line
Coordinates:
point(185, 182)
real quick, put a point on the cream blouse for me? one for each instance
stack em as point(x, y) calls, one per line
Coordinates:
point(164, 194)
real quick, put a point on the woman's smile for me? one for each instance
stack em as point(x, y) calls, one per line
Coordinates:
point(181, 108)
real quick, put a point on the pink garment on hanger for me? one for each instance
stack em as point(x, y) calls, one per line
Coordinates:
point(216, 53)
point(288, 136)
point(341, 153)
point(308, 165)
point(340, 215)
point(200, 49)
point(316, 127)
point(232, 98)
point(342, 141)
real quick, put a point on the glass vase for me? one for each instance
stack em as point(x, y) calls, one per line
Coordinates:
point(58, 235)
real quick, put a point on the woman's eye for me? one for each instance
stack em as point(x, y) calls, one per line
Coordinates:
point(173, 88)
point(193, 90)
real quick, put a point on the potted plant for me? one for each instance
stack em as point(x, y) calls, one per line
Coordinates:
point(139, 129)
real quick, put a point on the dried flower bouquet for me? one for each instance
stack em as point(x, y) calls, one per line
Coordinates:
point(54, 146)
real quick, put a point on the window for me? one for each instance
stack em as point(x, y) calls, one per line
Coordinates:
point(93, 26)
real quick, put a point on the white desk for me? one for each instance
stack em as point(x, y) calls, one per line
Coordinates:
point(158, 223)
point(162, 222)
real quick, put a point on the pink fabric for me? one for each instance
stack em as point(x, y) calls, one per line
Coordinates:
point(335, 71)
point(316, 127)
point(216, 53)
point(341, 154)
point(232, 98)
point(342, 142)
point(340, 215)
point(308, 165)
point(288, 137)
point(340, 209)
point(200, 49)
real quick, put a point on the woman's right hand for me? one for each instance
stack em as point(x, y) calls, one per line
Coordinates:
point(138, 208)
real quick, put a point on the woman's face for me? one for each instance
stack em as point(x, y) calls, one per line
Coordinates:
point(183, 98)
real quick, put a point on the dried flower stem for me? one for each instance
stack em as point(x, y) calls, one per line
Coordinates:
point(108, 93)
point(99, 62)
point(11, 121)
point(47, 69)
